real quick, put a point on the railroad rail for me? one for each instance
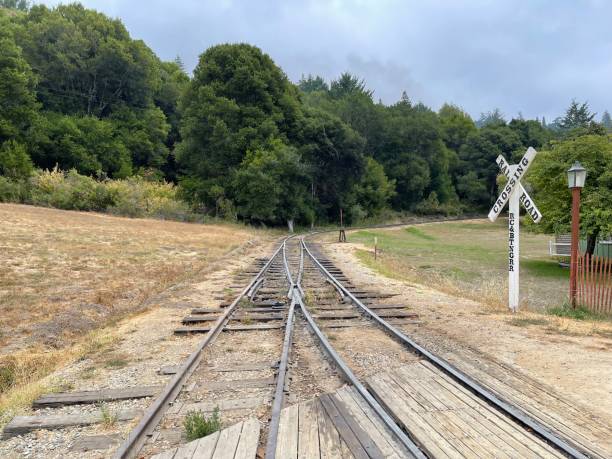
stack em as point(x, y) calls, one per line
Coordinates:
point(296, 296)
point(280, 295)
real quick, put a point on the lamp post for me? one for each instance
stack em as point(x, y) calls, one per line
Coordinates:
point(576, 176)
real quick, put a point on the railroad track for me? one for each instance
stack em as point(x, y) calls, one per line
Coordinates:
point(354, 385)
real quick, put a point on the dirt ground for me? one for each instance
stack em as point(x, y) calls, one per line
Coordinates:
point(570, 359)
point(67, 278)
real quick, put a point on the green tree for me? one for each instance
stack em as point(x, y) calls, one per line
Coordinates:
point(374, 192)
point(577, 116)
point(334, 154)
point(271, 185)
point(21, 5)
point(548, 176)
point(18, 107)
point(87, 144)
point(87, 63)
point(348, 84)
point(312, 83)
point(491, 118)
point(236, 102)
point(456, 126)
point(15, 162)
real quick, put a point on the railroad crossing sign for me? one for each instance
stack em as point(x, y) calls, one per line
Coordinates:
point(514, 192)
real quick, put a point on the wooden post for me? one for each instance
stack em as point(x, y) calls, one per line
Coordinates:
point(375, 244)
point(342, 234)
point(575, 234)
point(513, 251)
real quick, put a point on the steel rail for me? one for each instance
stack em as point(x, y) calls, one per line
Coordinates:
point(350, 377)
point(279, 392)
point(514, 412)
point(137, 436)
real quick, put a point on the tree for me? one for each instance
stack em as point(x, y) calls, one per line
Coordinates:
point(87, 63)
point(456, 126)
point(548, 176)
point(334, 154)
point(577, 116)
point(495, 117)
point(311, 84)
point(15, 162)
point(348, 84)
point(21, 5)
point(606, 121)
point(531, 133)
point(18, 107)
point(374, 192)
point(236, 102)
point(271, 185)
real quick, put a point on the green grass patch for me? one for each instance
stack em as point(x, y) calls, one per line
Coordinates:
point(578, 313)
point(545, 268)
point(420, 234)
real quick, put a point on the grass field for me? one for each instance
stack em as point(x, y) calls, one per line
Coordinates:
point(63, 275)
point(468, 258)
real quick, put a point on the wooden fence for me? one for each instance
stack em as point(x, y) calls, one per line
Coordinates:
point(594, 283)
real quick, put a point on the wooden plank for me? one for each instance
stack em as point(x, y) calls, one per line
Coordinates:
point(308, 430)
point(402, 410)
point(238, 384)
point(94, 442)
point(23, 424)
point(365, 420)
point(93, 396)
point(228, 442)
point(249, 440)
point(169, 370)
point(337, 315)
point(287, 442)
point(206, 446)
point(255, 317)
point(186, 451)
point(168, 454)
point(343, 428)
point(187, 330)
point(364, 438)
point(247, 403)
point(329, 438)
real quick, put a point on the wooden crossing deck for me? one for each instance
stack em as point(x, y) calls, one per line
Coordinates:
point(236, 442)
point(443, 418)
point(449, 421)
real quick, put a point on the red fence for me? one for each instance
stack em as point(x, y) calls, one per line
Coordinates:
point(594, 283)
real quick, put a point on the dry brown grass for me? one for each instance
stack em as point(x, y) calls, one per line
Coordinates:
point(65, 274)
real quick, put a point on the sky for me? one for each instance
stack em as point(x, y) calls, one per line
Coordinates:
point(529, 57)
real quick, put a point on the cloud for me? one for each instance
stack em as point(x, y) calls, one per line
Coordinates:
point(532, 57)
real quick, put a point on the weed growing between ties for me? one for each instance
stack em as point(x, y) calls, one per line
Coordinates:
point(109, 417)
point(198, 425)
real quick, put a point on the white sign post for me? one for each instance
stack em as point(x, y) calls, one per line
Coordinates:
point(514, 193)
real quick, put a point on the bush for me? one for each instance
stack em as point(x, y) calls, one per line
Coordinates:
point(197, 425)
point(14, 190)
point(14, 160)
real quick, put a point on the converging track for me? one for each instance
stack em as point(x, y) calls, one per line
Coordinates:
point(303, 363)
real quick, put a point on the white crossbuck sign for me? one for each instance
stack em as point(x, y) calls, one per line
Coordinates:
point(514, 192)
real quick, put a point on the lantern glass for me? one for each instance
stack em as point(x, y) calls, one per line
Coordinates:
point(576, 176)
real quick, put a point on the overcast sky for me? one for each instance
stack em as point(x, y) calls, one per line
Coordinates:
point(520, 56)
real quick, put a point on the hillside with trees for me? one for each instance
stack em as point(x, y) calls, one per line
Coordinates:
point(84, 105)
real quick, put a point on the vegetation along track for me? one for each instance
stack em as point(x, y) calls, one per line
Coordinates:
point(257, 360)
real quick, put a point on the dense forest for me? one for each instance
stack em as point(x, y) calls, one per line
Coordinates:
point(85, 106)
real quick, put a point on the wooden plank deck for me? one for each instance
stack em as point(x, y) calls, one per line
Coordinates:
point(339, 425)
point(235, 442)
point(447, 420)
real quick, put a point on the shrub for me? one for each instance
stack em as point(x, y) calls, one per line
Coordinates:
point(197, 425)
point(14, 160)
point(14, 190)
